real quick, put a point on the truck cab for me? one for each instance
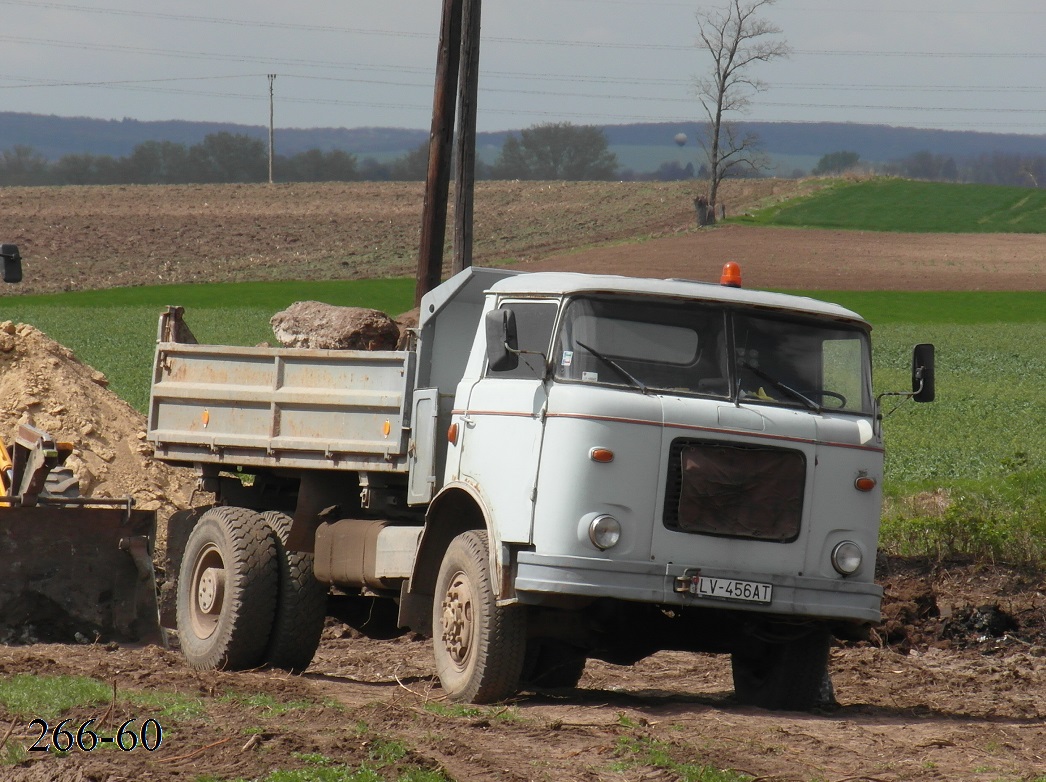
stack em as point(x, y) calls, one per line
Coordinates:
point(674, 464)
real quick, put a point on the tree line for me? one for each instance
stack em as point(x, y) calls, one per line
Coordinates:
point(542, 152)
point(549, 151)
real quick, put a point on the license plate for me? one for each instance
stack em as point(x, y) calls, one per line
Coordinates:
point(731, 589)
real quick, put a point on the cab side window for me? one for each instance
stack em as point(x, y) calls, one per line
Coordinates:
point(534, 324)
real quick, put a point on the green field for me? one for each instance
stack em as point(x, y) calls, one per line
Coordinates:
point(886, 204)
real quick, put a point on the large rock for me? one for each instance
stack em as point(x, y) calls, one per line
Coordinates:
point(313, 324)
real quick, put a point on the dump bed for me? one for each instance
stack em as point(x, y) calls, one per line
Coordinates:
point(279, 407)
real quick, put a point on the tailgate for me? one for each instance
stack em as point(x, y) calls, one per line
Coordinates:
point(291, 407)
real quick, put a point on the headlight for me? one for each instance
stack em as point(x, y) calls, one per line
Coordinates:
point(846, 558)
point(604, 532)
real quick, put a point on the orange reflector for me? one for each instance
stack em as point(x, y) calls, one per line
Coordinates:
point(386, 427)
point(864, 483)
point(731, 276)
point(601, 455)
point(206, 418)
point(452, 434)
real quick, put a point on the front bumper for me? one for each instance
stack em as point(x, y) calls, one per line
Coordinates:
point(793, 596)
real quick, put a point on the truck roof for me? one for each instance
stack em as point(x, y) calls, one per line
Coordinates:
point(572, 283)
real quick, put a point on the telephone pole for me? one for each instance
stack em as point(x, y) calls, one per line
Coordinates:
point(272, 78)
point(437, 182)
point(457, 78)
point(465, 140)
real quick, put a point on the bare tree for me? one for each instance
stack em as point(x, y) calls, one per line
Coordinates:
point(737, 39)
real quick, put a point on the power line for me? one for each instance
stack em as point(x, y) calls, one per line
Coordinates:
point(29, 83)
point(198, 19)
point(906, 9)
point(140, 85)
point(494, 75)
point(196, 55)
point(168, 17)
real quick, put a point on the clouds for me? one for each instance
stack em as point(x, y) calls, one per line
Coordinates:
point(361, 63)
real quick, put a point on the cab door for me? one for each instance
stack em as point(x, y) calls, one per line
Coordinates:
point(503, 424)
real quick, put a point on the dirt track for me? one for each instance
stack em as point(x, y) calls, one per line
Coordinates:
point(943, 693)
point(829, 260)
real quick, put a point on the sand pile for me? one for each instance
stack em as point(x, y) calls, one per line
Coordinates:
point(42, 383)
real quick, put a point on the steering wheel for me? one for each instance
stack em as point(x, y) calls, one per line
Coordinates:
point(822, 393)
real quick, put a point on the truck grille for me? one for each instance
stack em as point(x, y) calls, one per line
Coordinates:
point(738, 491)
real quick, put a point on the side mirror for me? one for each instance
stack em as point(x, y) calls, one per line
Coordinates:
point(502, 343)
point(12, 262)
point(922, 373)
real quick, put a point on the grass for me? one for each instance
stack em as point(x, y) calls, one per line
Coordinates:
point(168, 706)
point(387, 760)
point(967, 473)
point(265, 703)
point(887, 204)
point(635, 751)
point(969, 308)
point(28, 696)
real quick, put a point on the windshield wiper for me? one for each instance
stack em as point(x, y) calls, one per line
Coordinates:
point(614, 365)
point(782, 387)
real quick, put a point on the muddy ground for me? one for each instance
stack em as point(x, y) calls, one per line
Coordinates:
point(952, 686)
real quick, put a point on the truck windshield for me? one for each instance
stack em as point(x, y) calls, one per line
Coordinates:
point(704, 349)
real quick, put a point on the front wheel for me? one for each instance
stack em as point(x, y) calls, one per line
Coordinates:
point(788, 674)
point(227, 590)
point(478, 645)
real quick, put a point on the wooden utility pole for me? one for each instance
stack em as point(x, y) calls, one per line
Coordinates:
point(437, 183)
point(272, 78)
point(465, 140)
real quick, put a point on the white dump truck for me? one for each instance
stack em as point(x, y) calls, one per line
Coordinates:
point(558, 467)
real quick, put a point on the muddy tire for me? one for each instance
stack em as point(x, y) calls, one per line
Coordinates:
point(785, 675)
point(478, 645)
point(551, 665)
point(301, 602)
point(227, 591)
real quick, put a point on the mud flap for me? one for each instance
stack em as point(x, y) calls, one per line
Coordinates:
point(77, 575)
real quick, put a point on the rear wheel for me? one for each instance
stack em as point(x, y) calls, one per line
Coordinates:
point(787, 674)
point(227, 590)
point(478, 645)
point(301, 602)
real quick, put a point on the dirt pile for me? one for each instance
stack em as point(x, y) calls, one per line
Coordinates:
point(993, 609)
point(44, 384)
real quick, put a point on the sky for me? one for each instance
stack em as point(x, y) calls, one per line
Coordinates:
point(950, 64)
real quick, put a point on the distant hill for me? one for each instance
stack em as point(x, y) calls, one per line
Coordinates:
point(639, 146)
point(874, 143)
point(54, 137)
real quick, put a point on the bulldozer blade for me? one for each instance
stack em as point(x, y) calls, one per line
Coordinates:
point(77, 575)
